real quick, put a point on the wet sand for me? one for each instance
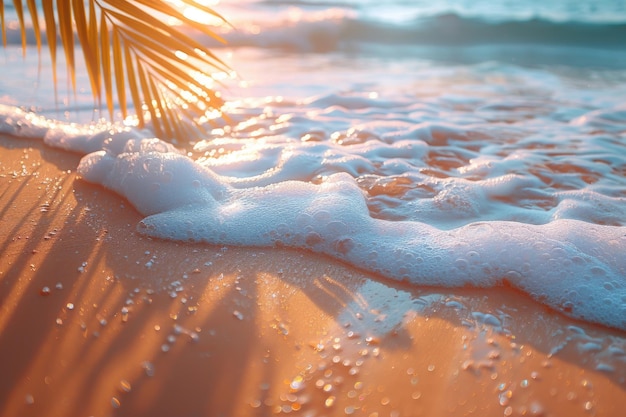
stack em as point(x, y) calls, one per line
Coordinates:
point(96, 320)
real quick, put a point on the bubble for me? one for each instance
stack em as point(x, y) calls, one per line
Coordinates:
point(343, 246)
point(461, 263)
point(513, 276)
point(598, 271)
point(472, 256)
point(336, 228)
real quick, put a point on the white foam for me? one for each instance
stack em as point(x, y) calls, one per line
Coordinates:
point(573, 266)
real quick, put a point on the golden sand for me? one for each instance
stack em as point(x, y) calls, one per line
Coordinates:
point(96, 320)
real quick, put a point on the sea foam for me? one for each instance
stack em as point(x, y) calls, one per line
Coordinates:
point(573, 266)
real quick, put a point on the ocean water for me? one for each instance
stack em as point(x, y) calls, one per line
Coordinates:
point(452, 143)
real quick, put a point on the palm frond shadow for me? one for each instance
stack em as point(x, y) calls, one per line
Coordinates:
point(130, 49)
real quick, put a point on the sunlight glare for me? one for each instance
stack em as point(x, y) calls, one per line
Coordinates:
point(202, 17)
point(195, 14)
point(181, 55)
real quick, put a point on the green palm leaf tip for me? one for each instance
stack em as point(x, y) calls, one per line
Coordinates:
point(127, 47)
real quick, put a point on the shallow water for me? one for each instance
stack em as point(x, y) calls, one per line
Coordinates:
point(456, 144)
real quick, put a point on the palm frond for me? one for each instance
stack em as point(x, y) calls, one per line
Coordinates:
point(127, 47)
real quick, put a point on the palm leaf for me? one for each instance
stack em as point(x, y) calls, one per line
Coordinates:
point(64, 13)
point(32, 8)
point(127, 47)
point(51, 31)
point(3, 26)
point(19, 9)
point(107, 75)
point(118, 65)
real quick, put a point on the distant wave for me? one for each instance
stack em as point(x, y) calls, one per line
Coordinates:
point(340, 31)
point(441, 30)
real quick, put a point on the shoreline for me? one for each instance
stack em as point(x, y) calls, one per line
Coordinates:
point(98, 320)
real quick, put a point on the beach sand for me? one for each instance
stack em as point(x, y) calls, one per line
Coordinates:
point(96, 320)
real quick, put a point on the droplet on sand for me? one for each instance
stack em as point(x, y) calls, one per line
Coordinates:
point(505, 397)
point(148, 368)
point(44, 291)
point(297, 384)
point(115, 403)
point(124, 314)
point(124, 386)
